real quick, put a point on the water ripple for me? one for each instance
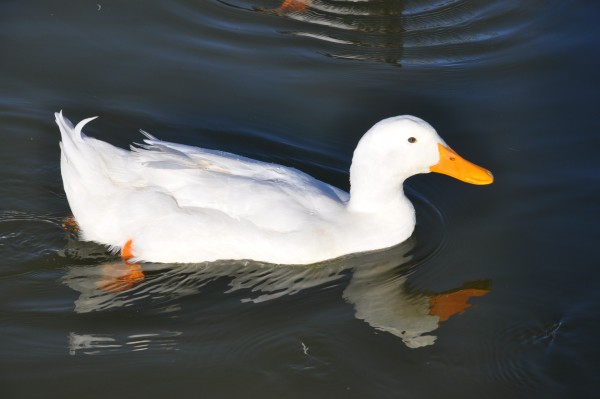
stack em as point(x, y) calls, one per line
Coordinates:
point(433, 32)
point(24, 236)
point(518, 351)
point(97, 344)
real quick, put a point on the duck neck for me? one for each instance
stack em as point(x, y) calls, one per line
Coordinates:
point(377, 193)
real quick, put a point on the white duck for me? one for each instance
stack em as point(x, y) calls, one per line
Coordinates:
point(166, 202)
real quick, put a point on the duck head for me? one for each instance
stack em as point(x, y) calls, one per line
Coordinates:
point(397, 148)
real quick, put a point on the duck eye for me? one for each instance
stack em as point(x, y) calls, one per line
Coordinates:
point(412, 140)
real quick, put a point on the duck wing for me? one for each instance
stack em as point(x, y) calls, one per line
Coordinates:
point(268, 195)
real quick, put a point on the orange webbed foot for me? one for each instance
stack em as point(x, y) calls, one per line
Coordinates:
point(119, 277)
point(70, 224)
point(126, 251)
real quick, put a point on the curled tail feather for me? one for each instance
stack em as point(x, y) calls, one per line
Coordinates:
point(91, 170)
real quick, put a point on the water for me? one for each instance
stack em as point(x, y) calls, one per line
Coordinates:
point(512, 86)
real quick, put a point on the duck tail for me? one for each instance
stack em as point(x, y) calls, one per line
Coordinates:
point(72, 136)
point(79, 163)
point(86, 166)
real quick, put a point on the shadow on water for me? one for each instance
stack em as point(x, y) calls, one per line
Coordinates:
point(376, 285)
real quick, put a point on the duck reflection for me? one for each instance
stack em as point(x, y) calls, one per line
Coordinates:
point(93, 344)
point(377, 287)
point(365, 30)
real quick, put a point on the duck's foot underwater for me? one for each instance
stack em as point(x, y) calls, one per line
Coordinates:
point(70, 225)
point(116, 277)
point(119, 277)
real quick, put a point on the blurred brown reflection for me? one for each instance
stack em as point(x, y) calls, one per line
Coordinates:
point(295, 5)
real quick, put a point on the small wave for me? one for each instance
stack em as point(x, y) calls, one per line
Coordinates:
point(25, 236)
point(405, 33)
point(98, 344)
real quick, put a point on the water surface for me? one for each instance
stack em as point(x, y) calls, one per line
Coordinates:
point(512, 86)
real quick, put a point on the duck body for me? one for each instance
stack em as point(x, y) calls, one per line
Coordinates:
point(178, 203)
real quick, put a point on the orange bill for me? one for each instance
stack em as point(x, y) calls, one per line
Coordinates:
point(454, 165)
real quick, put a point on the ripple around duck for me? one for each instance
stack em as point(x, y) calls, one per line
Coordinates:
point(24, 236)
point(405, 33)
point(520, 354)
point(430, 231)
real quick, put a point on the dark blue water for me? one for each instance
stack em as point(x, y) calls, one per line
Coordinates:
point(512, 86)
